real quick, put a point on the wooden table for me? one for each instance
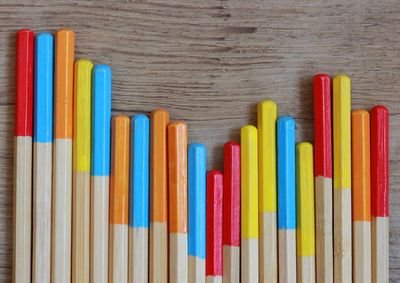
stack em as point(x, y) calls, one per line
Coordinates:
point(209, 62)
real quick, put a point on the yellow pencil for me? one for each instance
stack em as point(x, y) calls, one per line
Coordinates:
point(81, 171)
point(305, 213)
point(342, 180)
point(249, 205)
point(267, 114)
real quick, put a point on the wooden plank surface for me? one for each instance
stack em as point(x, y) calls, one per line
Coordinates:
point(209, 62)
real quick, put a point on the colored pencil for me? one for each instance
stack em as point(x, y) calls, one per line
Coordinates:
point(81, 171)
point(249, 204)
point(286, 199)
point(342, 180)
point(267, 114)
point(62, 157)
point(139, 199)
point(380, 193)
point(100, 172)
point(361, 183)
point(23, 157)
point(42, 161)
point(231, 213)
point(323, 178)
point(119, 201)
point(305, 232)
point(197, 212)
point(215, 183)
point(177, 172)
point(158, 197)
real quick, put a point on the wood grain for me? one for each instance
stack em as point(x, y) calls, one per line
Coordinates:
point(209, 62)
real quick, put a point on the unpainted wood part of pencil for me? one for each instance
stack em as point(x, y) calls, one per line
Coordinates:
point(118, 254)
point(22, 209)
point(41, 228)
point(323, 229)
point(268, 248)
point(249, 260)
point(214, 279)
point(178, 258)
point(361, 251)
point(62, 211)
point(380, 249)
point(197, 269)
point(138, 255)
point(80, 226)
point(306, 269)
point(342, 253)
point(287, 255)
point(231, 263)
point(158, 264)
point(99, 208)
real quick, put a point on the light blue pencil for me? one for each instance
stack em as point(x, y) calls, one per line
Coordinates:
point(100, 172)
point(42, 161)
point(286, 199)
point(139, 199)
point(197, 212)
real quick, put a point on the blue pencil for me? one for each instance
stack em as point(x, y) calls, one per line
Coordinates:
point(286, 199)
point(197, 212)
point(100, 172)
point(42, 162)
point(139, 199)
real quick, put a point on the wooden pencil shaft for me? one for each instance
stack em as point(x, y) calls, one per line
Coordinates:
point(62, 211)
point(196, 269)
point(342, 246)
point(305, 269)
point(138, 255)
point(323, 229)
point(231, 262)
point(287, 255)
point(22, 209)
point(158, 264)
point(214, 279)
point(178, 258)
point(249, 260)
point(118, 254)
point(380, 249)
point(268, 247)
point(41, 232)
point(99, 206)
point(361, 251)
point(81, 227)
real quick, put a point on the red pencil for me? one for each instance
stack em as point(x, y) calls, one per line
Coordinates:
point(231, 213)
point(323, 177)
point(23, 157)
point(380, 193)
point(214, 227)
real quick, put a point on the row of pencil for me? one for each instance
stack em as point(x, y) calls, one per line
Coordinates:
point(118, 199)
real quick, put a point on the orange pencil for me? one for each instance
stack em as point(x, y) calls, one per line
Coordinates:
point(159, 120)
point(119, 198)
point(177, 172)
point(361, 183)
point(62, 157)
